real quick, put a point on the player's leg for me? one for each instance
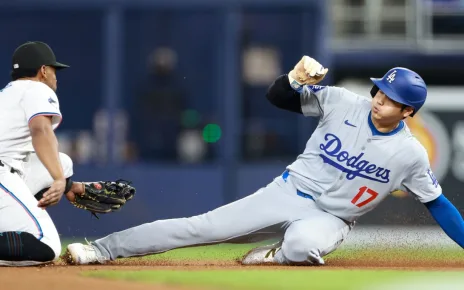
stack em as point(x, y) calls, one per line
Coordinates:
point(260, 216)
point(308, 240)
point(27, 233)
point(38, 179)
point(305, 242)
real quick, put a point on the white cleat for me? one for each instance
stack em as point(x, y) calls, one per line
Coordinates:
point(266, 255)
point(80, 254)
point(262, 255)
point(315, 259)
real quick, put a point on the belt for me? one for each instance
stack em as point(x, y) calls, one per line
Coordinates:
point(300, 193)
point(305, 195)
point(12, 170)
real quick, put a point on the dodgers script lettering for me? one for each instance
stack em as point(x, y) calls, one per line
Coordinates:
point(353, 166)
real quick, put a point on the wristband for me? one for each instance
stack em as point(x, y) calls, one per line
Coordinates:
point(294, 84)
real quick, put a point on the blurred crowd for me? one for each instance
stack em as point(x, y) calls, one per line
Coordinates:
point(162, 124)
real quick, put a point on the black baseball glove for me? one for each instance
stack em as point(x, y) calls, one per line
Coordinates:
point(104, 196)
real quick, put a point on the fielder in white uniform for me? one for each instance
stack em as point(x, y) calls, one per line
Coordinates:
point(33, 174)
point(361, 151)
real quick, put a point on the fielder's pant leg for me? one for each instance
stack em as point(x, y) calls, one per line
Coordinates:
point(307, 240)
point(25, 227)
point(260, 216)
point(37, 177)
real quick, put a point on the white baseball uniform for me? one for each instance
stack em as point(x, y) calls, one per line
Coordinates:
point(22, 174)
point(346, 170)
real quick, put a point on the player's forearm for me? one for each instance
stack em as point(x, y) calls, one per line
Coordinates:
point(281, 95)
point(448, 217)
point(46, 147)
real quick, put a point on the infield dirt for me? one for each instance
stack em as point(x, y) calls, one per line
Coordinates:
point(62, 276)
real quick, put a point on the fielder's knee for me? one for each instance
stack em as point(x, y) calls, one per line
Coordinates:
point(67, 164)
point(55, 245)
point(22, 246)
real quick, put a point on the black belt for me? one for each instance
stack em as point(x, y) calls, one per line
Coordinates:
point(12, 170)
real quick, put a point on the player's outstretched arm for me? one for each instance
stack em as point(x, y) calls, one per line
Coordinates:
point(46, 147)
point(448, 217)
point(423, 184)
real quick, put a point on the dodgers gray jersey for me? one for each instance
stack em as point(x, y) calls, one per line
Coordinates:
point(346, 167)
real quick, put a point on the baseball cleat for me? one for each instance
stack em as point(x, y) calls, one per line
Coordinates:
point(262, 255)
point(314, 258)
point(80, 254)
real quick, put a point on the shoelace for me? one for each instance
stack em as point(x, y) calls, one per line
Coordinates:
point(272, 252)
point(93, 252)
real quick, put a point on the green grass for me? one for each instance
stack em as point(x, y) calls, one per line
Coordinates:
point(276, 280)
point(229, 252)
point(298, 277)
point(226, 252)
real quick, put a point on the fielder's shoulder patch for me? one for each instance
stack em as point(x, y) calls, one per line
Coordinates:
point(316, 88)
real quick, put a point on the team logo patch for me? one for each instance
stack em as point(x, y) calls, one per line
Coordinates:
point(51, 101)
point(432, 178)
point(353, 166)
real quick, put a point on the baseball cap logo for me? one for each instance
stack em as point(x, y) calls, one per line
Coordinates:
point(391, 77)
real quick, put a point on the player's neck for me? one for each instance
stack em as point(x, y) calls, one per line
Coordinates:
point(35, 79)
point(384, 128)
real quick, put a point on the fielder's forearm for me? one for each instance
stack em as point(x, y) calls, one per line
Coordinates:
point(46, 147)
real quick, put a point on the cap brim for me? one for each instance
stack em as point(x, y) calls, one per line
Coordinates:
point(387, 91)
point(58, 65)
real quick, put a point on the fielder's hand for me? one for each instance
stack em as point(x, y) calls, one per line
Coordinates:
point(53, 195)
point(307, 71)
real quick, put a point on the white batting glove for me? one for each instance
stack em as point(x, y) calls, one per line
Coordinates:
point(307, 71)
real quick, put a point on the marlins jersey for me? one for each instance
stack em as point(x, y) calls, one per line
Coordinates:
point(20, 102)
point(348, 167)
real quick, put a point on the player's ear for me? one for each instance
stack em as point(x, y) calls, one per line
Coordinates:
point(407, 111)
point(43, 72)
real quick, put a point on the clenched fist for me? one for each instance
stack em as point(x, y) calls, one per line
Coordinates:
point(307, 71)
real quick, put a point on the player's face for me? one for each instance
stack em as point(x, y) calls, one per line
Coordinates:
point(387, 111)
point(49, 77)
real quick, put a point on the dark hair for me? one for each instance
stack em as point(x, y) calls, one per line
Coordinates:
point(23, 73)
point(404, 107)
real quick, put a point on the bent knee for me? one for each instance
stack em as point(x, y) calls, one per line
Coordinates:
point(52, 240)
point(28, 248)
point(300, 249)
point(56, 248)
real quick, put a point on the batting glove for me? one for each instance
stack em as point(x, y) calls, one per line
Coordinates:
point(307, 71)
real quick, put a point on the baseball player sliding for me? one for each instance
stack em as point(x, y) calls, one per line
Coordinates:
point(361, 151)
point(33, 174)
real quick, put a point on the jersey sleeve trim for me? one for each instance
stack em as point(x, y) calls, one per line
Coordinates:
point(431, 198)
point(51, 114)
